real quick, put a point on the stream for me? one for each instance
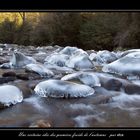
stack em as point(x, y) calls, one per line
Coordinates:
point(112, 105)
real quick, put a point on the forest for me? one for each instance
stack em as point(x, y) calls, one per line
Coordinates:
point(86, 30)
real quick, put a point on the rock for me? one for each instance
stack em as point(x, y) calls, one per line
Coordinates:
point(80, 61)
point(62, 89)
point(40, 69)
point(23, 76)
point(131, 88)
point(7, 46)
point(103, 57)
point(68, 50)
point(106, 93)
point(59, 70)
point(57, 59)
point(101, 96)
point(87, 78)
point(33, 76)
point(6, 79)
point(24, 87)
point(71, 57)
point(110, 82)
point(40, 56)
point(2, 45)
point(5, 66)
point(128, 66)
point(19, 60)
point(9, 74)
point(3, 60)
point(129, 51)
point(10, 95)
point(33, 83)
point(41, 124)
point(92, 56)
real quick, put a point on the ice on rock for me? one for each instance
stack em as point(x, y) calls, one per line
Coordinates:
point(71, 57)
point(62, 89)
point(118, 54)
point(129, 51)
point(5, 66)
point(57, 59)
point(68, 50)
point(128, 65)
point(10, 95)
point(87, 78)
point(58, 68)
point(105, 56)
point(78, 58)
point(40, 69)
point(80, 61)
point(20, 60)
point(72, 51)
point(92, 56)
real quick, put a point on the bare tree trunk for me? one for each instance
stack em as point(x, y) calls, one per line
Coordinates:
point(23, 16)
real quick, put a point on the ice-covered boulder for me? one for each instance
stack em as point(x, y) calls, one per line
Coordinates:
point(128, 65)
point(64, 69)
point(68, 50)
point(129, 51)
point(87, 78)
point(62, 89)
point(105, 56)
point(80, 61)
point(10, 95)
point(57, 59)
point(19, 60)
point(40, 69)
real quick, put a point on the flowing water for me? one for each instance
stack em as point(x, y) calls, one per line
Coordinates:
point(124, 110)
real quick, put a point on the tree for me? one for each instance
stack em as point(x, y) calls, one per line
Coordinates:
point(58, 28)
point(129, 34)
point(99, 30)
point(8, 30)
point(23, 17)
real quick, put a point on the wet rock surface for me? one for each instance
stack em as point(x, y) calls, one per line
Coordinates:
point(116, 88)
